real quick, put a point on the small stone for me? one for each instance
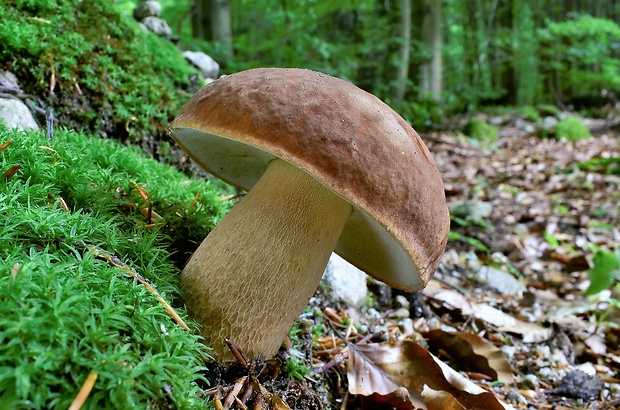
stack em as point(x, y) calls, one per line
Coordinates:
point(548, 123)
point(476, 210)
point(15, 114)
point(148, 8)
point(345, 282)
point(502, 281)
point(528, 381)
point(524, 125)
point(406, 325)
point(207, 65)
point(401, 301)
point(515, 397)
point(400, 313)
point(509, 351)
point(9, 80)
point(578, 385)
point(158, 26)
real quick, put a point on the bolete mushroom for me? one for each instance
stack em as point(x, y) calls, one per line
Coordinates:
point(329, 167)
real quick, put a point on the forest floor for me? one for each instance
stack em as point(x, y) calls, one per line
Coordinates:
point(514, 274)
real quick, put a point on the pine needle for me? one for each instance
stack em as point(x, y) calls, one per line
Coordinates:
point(84, 392)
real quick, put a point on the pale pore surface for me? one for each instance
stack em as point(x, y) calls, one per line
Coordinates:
point(255, 272)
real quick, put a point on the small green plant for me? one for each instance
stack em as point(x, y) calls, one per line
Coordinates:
point(604, 275)
point(606, 271)
point(296, 369)
point(476, 243)
point(571, 129)
point(480, 130)
point(609, 166)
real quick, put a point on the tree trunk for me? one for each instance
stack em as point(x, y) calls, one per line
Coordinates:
point(431, 71)
point(400, 84)
point(200, 19)
point(221, 27)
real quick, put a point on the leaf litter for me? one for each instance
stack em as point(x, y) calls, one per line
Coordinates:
point(506, 323)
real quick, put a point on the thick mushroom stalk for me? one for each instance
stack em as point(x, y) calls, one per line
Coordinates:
point(256, 271)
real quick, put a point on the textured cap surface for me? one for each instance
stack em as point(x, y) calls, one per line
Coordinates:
point(346, 138)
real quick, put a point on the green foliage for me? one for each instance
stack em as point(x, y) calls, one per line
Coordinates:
point(571, 129)
point(296, 369)
point(471, 241)
point(108, 75)
point(65, 313)
point(583, 52)
point(606, 271)
point(480, 130)
point(548, 110)
point(607, 166)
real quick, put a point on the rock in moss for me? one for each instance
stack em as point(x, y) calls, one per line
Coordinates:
point(480, 130)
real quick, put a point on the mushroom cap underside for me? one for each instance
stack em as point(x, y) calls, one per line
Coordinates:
point(349, 140)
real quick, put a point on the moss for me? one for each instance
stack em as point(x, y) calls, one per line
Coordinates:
point(530, 113)
point(480, 130)
point(65, 312)
point(571, 129)
point(547, 110)
point(106, 74)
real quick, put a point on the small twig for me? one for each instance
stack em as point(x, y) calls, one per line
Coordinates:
point(5, 145)
point(241, 358)
point(232, 394)
point(118, 263)
point(344, 353)
point(49, 122)
point(9, 173)
point(84, 392)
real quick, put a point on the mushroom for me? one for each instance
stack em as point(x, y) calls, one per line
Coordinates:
point(329, 167)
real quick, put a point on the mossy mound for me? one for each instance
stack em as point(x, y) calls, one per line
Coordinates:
point(66, 312)
point(571, 129)
point(480, 130)
point(94, 66)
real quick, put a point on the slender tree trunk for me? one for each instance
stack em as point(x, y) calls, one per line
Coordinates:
point(200, 19)
point(221, 27)
point(400, 85)
point(431, 72)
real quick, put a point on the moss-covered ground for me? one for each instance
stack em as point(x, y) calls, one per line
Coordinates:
point(94, 66)
point(66, 312)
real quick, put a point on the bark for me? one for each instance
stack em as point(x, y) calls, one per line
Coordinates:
point(402, 73)
point(211, 21)
point(431, 71)
point(221, 26)
point(200, 19)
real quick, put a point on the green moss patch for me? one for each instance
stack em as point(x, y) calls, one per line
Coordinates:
point(571, 129)
point(64, 312)
point(94, 65)
point(480, 130)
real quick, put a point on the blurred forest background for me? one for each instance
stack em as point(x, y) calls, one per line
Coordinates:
point(428, 58)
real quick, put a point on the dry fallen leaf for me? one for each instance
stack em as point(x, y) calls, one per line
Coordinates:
point(378, 370)
point(471, 353)
point(529, 332)
point(367, 379)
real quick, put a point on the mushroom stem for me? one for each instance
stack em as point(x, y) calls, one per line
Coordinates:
point(256, 271)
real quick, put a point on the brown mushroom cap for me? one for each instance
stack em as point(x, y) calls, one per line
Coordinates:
point(347, 139)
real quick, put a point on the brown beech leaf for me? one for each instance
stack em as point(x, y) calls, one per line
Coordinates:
point(379, 369)
point(440, 400)
point(367, 379)
point(471, 353)
point(530, 332)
